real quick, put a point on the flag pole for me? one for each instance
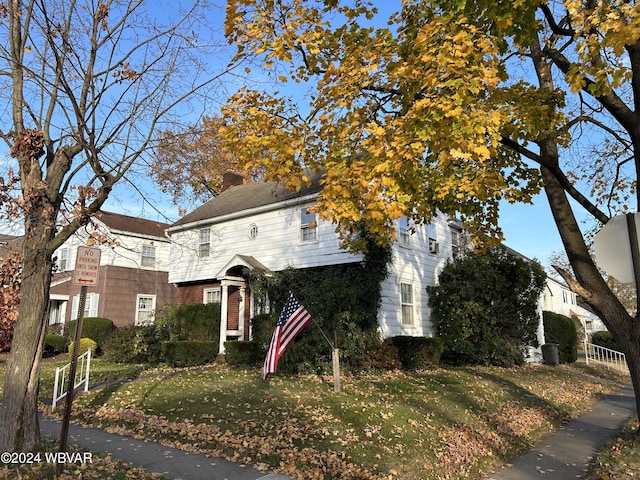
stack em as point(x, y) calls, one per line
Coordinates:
point(335, 356)
point(323, 334)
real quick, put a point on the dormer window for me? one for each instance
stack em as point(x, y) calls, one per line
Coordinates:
point(308, 225)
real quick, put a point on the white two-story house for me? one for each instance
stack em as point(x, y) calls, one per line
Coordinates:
point(262, 225)
point(133, 274)
point(558, 298)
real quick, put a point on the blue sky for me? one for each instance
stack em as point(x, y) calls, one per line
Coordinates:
point(528, 229)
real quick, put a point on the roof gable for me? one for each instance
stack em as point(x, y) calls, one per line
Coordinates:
point(126, 223)
point(246, 197)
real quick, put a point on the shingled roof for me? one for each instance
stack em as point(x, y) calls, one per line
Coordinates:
point(126, 223)
point(10, 243)
point(248, 196)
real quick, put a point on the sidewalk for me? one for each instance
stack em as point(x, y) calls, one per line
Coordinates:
point(153, 457)
point(568, 453)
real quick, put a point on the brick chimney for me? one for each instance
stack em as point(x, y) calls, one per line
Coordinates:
point(231, 179)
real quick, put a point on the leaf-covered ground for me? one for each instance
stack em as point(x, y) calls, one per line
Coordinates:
point(439, 424)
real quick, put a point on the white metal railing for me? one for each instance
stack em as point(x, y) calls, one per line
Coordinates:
point(606, 356)
point(62, 378)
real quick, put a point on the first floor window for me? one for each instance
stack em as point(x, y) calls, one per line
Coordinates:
point(211, 295)
point(406, 299)
point(90, 305)
point(145, 313)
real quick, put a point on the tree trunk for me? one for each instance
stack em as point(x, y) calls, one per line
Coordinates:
point(19, 412)
point(589, 282)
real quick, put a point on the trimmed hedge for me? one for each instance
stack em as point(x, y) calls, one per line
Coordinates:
point(97, 329)
point(418, 353)
point(262, 327)
point(191, 321)
point(85, 344)
point(54, 344)
point(244, 353)
point(605, 339)
point(189, 353)
point(134, 344)
point(562, 330)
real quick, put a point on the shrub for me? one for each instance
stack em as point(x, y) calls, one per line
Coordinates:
point(85, 344)
point(385, 356)
point(190, 322)
point(605, 339)
point(562, 330)
point(134, 344)
point(189, 353)
point(244, 353)
point(485, 308)
point(55, 344)
point(418, 353)
point(262, 327)
point(96, 328)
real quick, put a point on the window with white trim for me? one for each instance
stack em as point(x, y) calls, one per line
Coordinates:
point(404, 232)
point(434, 247)
point(63, 260)
point(456, 243)
point(145, 310)
point(90, 305)
point(148, 256)
point(211, 295)
point(406, 300)
point(308, 225)
point(204, 243)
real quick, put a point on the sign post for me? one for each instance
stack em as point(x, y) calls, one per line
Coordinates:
point(86, 273)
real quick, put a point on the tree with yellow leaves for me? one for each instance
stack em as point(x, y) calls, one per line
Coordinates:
point(451, 106)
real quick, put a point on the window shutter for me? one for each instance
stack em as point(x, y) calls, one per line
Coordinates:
point(74, 307)
point(94, 305)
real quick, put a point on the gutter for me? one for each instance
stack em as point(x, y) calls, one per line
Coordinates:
point(241, 214)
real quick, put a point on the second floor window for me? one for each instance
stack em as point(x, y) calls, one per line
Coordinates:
point(456, 243)
point(204, 245)
point(434, 247)
point(63, 263)
point(404, 233)
point(148, 256)
point(308, 225)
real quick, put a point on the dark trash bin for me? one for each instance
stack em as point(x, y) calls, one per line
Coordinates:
point(550, 354)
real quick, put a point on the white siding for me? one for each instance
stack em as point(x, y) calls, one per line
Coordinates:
point(125, 250)
point(418, 265)
point(277, 245)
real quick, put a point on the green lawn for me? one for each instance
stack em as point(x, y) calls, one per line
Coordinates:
point(443, 423)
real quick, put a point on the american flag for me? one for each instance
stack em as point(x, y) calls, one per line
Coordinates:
point(293, 319)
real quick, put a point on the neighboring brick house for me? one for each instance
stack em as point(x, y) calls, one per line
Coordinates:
point(133, 278)
point(261, 225)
